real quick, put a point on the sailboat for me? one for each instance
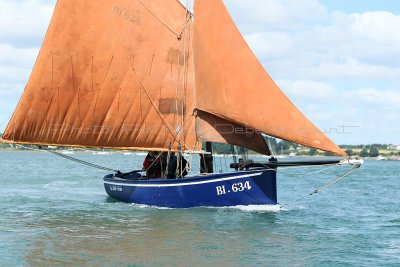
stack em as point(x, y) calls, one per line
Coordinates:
point(152, 75)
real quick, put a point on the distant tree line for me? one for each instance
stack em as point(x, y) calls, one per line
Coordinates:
point(282, 147)
point(373, 152)
point(377, 146)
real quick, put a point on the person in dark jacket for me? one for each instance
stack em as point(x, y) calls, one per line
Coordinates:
point(152, 165)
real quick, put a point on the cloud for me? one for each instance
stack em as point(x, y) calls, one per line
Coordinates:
point(376, 100)
point(365, 115)
point(278, 15)
point(16, 63)
point(311, 90)
point(271, 45)
point(349, 69)
point(11, 90)
point(381, 27)
point(24, 23)
point(336, 46)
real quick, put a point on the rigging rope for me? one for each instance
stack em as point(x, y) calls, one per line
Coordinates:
point(83, 162)
point(184, 73)
point(151, 165)
point(322, 187)
point(334, 181)
point(193, 63)
point(71, 158)
point(154, 15)
point(169, 128)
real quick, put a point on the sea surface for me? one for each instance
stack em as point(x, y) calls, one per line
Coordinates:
point(55, 212)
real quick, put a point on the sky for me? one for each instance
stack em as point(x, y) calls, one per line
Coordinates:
point(338, 61)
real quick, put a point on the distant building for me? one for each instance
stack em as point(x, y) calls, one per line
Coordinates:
point(394, 147)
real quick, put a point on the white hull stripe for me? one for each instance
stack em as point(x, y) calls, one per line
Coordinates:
point(189, 183)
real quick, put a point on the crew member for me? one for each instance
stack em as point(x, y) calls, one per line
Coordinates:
point(152, 165)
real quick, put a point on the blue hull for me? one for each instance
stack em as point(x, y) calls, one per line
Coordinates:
point(217, 190)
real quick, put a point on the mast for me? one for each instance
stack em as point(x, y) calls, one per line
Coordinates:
point(233, 153)
point(206, 160)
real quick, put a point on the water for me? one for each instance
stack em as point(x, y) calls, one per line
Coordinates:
point(56, 212)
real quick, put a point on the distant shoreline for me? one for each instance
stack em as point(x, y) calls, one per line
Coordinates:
point(391, 158)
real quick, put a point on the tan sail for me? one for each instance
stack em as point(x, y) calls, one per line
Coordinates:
point(215, 129)
point(232, 84)
point(119, 74)
point(107, 76)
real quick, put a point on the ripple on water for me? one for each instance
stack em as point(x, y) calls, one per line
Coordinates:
point(54, 212)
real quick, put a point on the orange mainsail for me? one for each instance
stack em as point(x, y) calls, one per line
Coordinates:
point(232, 84)
point(134, 74)
point(110, 74)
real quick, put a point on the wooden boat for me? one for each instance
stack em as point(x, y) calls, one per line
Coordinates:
point(152, 75)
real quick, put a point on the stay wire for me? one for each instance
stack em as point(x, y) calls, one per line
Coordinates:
point(72, 159)
point(162, 22)
point(322, 187)
point(151, 165)
point(83, 162)
point(334, 180)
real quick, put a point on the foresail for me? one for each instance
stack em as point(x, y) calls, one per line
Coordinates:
point(232, 84)
point(215, 129)
point(107, 76)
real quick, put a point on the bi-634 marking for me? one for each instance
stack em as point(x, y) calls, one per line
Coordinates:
point(236, 187)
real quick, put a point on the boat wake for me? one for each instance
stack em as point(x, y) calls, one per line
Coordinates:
point(144, 206)
point(260, 208)
point(250, 208)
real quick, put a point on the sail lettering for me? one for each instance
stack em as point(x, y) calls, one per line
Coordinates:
point(127, 14)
